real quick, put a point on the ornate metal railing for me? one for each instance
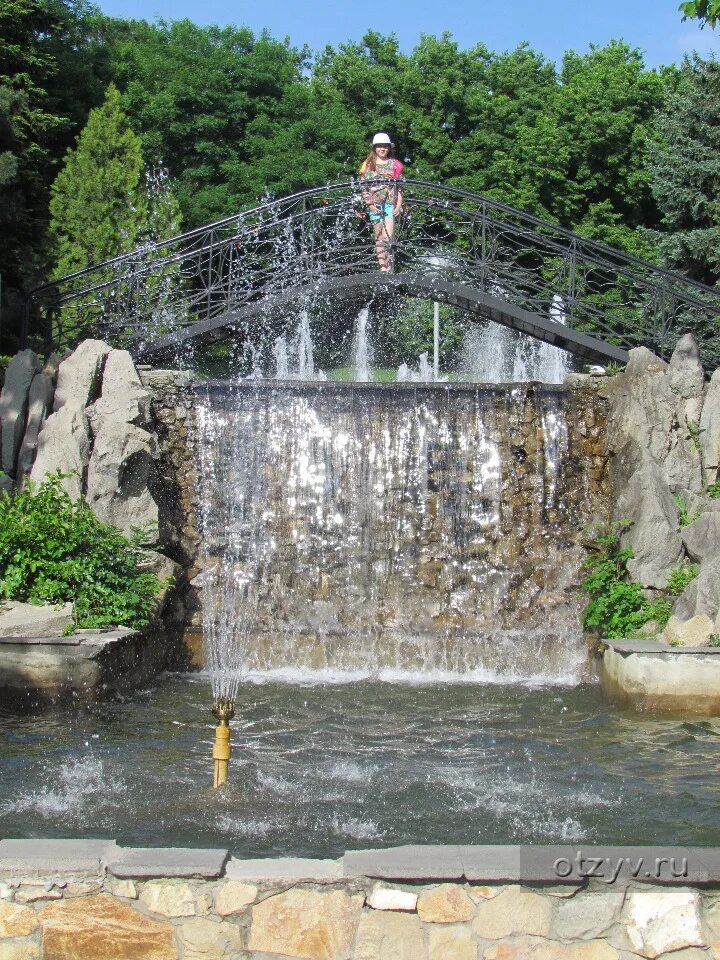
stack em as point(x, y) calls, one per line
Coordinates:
point(202, 284)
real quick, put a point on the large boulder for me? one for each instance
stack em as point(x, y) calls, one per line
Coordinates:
point(64, 444)
point(121, 465)
point(702, 595)
point(14, 405)
point(39, 405)
point(702, 537)
point(695, 632)
point(79, 375)
point(686, 379)
point(653, 535)
point(710, 430)
point(123, 397)
point(649, 418)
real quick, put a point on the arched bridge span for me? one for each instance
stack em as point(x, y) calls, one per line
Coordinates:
point(452, 246)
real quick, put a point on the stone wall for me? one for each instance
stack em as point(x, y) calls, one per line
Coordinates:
point(90, 900)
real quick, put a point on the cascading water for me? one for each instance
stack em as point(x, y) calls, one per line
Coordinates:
point(361, 349)
point(416, 532)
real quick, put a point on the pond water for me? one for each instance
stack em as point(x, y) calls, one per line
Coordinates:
point(321, 767)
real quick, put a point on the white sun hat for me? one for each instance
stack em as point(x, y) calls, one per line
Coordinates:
point(381, 140)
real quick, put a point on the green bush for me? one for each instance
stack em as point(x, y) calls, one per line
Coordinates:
point(54, 550)
point(617, 607)
point(684, 518)
point(681, 577)
point(714, 490)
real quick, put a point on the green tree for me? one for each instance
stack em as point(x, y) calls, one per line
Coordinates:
point(684, 164)
point(52, 62)
point(99, 204)
point(706, 11)
point(192, 93)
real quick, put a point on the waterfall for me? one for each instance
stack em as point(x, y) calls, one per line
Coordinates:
point(385, 530)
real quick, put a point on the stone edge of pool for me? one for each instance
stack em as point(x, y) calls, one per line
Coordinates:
point(651, 677)
point(85, 899)
point(502, 863)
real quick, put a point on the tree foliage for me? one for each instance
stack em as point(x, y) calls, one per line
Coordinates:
point(684, 165)
point(706, 11)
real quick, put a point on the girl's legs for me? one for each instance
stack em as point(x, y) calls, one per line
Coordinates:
point(383, 237)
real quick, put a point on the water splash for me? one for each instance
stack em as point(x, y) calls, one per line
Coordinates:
point(361, 348)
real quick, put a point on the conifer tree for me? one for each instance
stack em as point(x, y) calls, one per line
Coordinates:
point(99, 203)
point(685, 165)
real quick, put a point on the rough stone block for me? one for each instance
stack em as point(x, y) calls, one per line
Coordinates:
point(19, 950)
point(587, 916)
point(385, 898)
point(389, 936)
point(532, 948)
point(53, 858)
point(695, 632)
point(307, 924)
point(16, 920)
point(64, 444)
point(120, 468)
point(661, 921)
point(654, 535)
point(79, 375)
point(123, 399)
point(232, 896)
point(513, 911)
point(171, 898)
point(102, 928)
point(206, 939)
point(27, 620)
point(451, 943)
point(447, 903)
point(710, 430)
point(167, 862)
point(702, 537)
point(703, 594)
point(39, 405)
point(14, 406)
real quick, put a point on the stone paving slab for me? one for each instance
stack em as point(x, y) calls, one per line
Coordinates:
point(405, 863)
point(284, 868)
point(168, 862)
point(51, 857)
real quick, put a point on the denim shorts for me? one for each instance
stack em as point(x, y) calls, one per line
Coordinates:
point(388, 211)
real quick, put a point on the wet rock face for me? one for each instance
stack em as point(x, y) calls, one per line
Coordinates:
point(426, 518)
point(14, 406)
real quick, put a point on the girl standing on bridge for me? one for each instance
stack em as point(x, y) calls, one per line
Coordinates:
point(384, 201)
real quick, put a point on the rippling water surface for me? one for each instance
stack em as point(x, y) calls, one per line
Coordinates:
point(321, 768)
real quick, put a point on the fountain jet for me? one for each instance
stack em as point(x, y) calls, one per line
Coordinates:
point(224, 711)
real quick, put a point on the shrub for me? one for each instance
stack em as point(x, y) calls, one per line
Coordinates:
point(54, 550)
point(681, 577)
point(684, 518)
point(617, 607)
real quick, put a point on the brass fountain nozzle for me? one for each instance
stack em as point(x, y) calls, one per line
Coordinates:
point(224, 711)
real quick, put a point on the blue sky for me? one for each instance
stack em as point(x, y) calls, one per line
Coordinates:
point(551, 26)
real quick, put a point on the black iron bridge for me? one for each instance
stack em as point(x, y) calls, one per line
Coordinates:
point(235, 276)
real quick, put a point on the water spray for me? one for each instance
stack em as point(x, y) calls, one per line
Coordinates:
point(224, 711)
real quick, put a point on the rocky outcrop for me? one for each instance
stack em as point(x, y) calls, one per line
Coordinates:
point(664, 443)
point(123, 398)
point(710, 430)
point(64, 444)
point(40, 400)
point(702, 595)
point(14, 406)
point(654, 537)
point(79, 375)
point(118, 475)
